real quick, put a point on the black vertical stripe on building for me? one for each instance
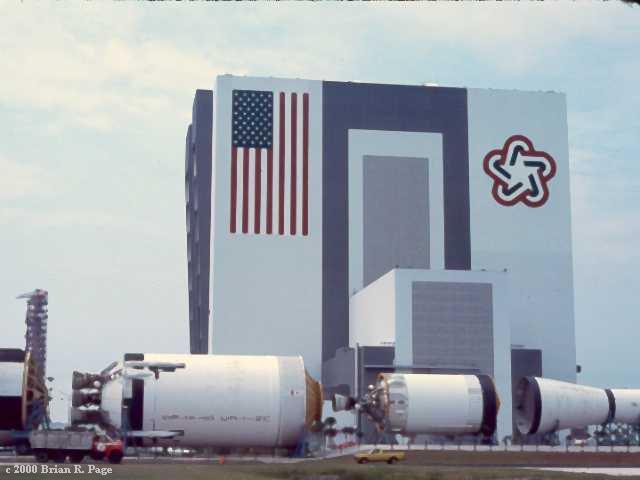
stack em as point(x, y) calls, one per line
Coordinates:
point(396, 108)
point(190, 227)
point(198, 170)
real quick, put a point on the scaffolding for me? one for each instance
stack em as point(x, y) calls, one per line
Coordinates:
point(35, 396)
point(36, 335)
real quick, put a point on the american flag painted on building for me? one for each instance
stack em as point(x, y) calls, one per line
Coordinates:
point(269, 163)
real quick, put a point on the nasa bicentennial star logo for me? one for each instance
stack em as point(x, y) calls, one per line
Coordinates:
point(520, 173)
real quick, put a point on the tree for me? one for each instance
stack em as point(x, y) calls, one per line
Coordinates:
point(316, 426)
point(329, 422)
point(331, 433)
point(349, 430)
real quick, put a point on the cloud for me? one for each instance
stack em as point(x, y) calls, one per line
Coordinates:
point(604, 210)
point(20, 180)
point(93, 73)
point(514, 38)
point(95, 78)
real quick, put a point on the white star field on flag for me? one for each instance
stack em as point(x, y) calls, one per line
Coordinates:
point(252, 119)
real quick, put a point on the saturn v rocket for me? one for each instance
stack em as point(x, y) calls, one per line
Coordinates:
point(271, 401)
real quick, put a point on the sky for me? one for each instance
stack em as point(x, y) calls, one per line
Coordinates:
point(95, 99)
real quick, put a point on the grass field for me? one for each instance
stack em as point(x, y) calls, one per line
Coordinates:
point(337, 469)
point(315, 471)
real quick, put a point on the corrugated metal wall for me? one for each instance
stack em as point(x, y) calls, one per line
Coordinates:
point(452, 325)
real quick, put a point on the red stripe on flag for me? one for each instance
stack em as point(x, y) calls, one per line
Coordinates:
point(234, 188)
point(257, 197)
point(294, 173)
point(281, 147)
point(305, 164)
point(245, 191)
point(269, 190)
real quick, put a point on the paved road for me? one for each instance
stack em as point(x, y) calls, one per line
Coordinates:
point(617, 472)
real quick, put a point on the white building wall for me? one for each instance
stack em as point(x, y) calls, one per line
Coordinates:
point(267, 289)
point(533, 244)
point(372, 314)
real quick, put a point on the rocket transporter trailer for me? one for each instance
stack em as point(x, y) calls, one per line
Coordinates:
point(57, 445)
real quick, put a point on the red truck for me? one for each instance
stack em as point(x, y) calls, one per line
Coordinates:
point(57, 445)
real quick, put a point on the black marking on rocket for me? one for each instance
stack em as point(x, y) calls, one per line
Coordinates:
point(612, 406)
point(11, 406)
point(537, 414)
point(133, 357)
point(489, 406)
point(136, 412)
point(11, 355)
point(10, 413)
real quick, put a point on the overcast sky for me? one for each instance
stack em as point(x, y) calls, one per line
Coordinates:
point(95, 100)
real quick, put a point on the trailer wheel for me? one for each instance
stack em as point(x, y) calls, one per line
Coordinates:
point(58, 456)
point(115, 457)
point(76, 457)
point(23, 448)
point(42, 457)
point(96, 456)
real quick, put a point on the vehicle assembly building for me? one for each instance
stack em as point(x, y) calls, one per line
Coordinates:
point(376, 228)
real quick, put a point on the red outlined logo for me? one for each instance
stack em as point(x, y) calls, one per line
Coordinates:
point(520, 173)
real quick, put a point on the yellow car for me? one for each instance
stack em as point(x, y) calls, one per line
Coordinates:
point(379, 455)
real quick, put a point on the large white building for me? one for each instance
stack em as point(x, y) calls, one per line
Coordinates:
point(383, 226)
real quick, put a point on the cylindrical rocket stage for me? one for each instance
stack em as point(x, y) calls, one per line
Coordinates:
point(12, 368)
point(544, 405)
point(627, 405)
point(215, 400)
point(438, 404)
